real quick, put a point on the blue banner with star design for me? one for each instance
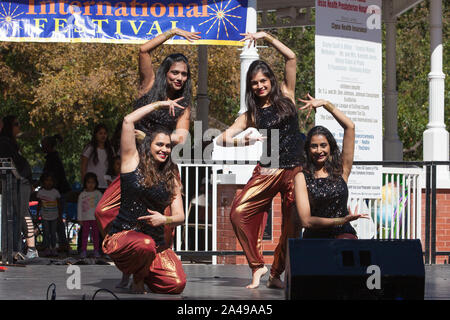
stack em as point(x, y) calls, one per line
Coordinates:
point(220, 21)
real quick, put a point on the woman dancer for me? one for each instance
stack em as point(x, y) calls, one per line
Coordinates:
point(270, 106)
point(149, 180)
point(171, 81)
point(321, 189)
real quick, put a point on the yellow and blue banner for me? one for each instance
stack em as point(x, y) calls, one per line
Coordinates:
point(129, 21)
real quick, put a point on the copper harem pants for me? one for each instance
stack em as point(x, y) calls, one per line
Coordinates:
point(249, 212)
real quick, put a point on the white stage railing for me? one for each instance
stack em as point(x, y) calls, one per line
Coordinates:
point(396, 215)
point(199, 232)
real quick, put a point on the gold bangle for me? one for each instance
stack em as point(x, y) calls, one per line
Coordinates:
point(169, 33)
point(269, 38)
point(168, 220)
point(157, 105)
point(339, 222)
point(329, 106)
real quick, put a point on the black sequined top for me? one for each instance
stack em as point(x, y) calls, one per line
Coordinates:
point(160, 117)
point(290, 139)
point(327, 199)
point(135, 200)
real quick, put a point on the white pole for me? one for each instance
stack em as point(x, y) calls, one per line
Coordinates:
point(435, 137)
point(248, 55)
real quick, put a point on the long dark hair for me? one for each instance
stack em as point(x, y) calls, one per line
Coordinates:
point(152, 171)
point(52, 141)
point(285, 107)
point(93, 143)
point(333, 164)
point(158, 91)
point(8, 125)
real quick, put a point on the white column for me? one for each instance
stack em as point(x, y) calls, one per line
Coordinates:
point(435, 137)
point(248, 55)
point(392, 146)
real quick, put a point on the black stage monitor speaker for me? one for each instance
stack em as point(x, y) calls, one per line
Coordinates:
point(354, 269)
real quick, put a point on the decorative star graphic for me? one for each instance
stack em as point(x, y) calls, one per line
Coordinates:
point(7, 18)
point(221, 15)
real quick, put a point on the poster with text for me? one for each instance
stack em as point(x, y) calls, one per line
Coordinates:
point(348, 73)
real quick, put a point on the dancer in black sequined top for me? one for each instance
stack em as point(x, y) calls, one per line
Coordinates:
point(149, 183)
point(271, 106)
point(321, 191)
point(172, 80)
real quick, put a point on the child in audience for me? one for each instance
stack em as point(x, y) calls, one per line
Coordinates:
point(87, 202)
point(50, 209)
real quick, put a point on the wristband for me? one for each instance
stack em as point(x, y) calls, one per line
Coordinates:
point(168, 220)
point(339, 222)
point(329, 106)
point(269, 38)
point(169, 33)
point(157, 105)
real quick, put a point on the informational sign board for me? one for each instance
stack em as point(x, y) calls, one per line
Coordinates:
point(348, 72)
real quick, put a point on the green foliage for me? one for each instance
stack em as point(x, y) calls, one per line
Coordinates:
point(413, 66)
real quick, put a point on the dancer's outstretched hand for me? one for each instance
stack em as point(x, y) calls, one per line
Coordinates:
point(355, 216)
point(311, 104)
point(252, 37)
point(189, 36)
point(172, 104)
point(251, 138)
point(155, 218)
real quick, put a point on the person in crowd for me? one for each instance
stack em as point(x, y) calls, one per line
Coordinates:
point(87, 202)
point(97, 155)
point(135, 237)
point(321, 191)
point(113, 170)
point(54, 165)
point(115, 139)
point(50, 210)
point(9, 148)
point(271, 106)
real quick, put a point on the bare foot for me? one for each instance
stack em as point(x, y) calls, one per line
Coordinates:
point(124, 282)
point(257, 277)
point(138, 287)
point(275, 283)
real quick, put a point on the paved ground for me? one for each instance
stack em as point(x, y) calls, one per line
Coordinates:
point(205, 282)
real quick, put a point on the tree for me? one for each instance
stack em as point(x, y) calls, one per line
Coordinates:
point(413, 66)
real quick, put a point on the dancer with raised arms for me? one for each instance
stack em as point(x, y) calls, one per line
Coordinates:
point(171, 81)
point(135, 238)
point(271, 106)
point(321, 191)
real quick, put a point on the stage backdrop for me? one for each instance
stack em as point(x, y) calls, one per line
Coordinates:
point(349, 74)
point(220, 22)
